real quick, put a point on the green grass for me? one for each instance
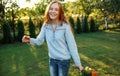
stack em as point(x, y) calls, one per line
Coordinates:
point(99, 51)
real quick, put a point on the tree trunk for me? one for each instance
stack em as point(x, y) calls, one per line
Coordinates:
point(2, 9)
point(82, 23)
point(106, 23)
point(114, 19)
point(13, 24)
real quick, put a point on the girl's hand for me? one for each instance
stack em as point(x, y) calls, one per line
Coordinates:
point(26, 39)
point(80, 68)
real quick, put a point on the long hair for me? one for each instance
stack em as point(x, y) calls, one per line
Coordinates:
point(62, 17)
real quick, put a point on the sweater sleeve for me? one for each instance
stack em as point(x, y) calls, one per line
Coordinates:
point(72, 46)
point(40, 38)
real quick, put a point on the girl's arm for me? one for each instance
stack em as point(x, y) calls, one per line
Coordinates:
point(73, 47)
point(35, 41)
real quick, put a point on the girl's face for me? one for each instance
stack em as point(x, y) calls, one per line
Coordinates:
point(54, 11)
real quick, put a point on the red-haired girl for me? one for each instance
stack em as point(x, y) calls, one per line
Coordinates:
point(60, 40)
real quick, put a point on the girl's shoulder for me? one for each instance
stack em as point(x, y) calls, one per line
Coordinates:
point(66, 25)
point(45, 25)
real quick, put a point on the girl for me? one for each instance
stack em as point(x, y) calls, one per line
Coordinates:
point(60, 40)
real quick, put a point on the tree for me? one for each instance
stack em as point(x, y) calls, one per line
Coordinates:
point(13, 13)
point(31, 28)
point(106, 7)
point(78, 24)
point(10, 8)
point(87, 6)
point(40, 8)
point(78, 9)
point(41, 23)
point(3, 3)
point(72, 23)
point(2, 11)
point(92, 25)
point(20, 27)
point(82, 23)
point(114, 8)
point(7, 37)
point(86, 26)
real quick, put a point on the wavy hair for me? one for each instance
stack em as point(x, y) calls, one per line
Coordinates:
point(62, 17)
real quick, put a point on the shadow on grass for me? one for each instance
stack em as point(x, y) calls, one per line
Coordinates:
point(100, 51)
point(23, 60)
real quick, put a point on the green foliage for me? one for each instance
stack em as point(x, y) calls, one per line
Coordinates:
point(72, 23)
point(2, 11)
point(85, 73)
point(20, 30)
point(7, 37)
point(78, 25)
point(40, 8)
point(31, 28)
point(92, 25)
point(86, 26)
point(109, 8)
point(87, 6)
point(68, 6)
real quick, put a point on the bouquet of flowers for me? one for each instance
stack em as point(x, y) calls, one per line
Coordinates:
point(89, 72)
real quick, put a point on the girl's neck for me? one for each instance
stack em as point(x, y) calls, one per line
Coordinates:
point(54, 22)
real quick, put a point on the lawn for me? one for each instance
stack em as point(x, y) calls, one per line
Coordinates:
point(99, 51)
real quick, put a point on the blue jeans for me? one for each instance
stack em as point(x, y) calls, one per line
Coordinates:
point(59, 67)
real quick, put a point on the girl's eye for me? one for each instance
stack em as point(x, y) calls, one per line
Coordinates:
point(51, 8)
point(55, 9)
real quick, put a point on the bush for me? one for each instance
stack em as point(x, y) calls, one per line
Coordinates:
point(78, 24)
point(86, 26)
point(7, 37)
point(97, 27)
point(20, 30)
point(31, 29)
point(71, 20)
point(92, 25)
point(41, 23)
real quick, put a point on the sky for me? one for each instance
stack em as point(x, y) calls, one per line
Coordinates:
point(23, 3)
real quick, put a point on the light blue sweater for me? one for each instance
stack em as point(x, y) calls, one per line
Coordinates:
point(61, 42)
